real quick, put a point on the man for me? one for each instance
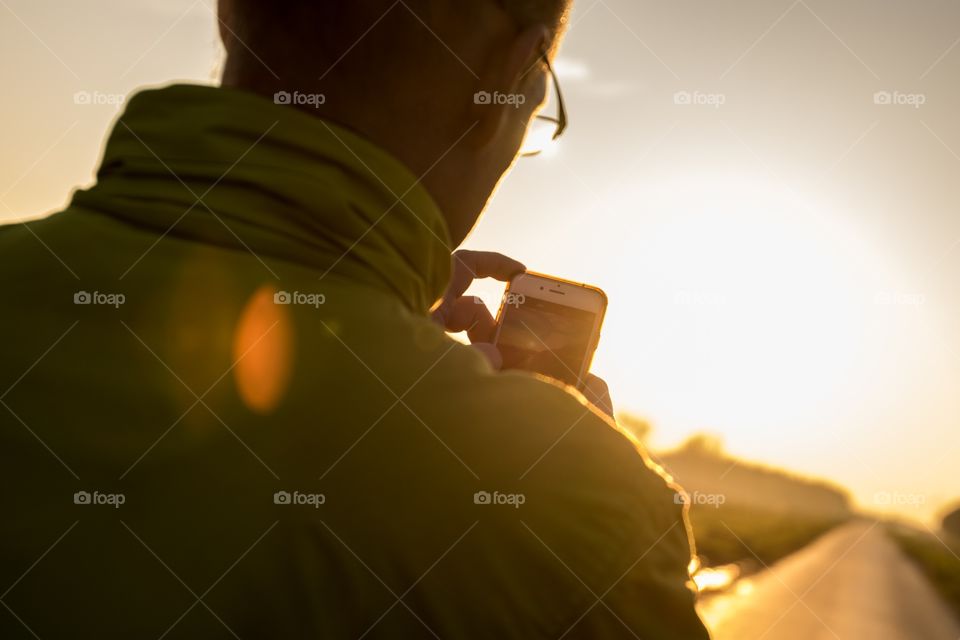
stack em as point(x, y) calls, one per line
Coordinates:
point(227, 409)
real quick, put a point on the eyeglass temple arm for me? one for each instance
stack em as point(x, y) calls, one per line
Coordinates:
point(561, 106)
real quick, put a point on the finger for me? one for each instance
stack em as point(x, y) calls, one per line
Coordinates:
point(469, 314)
point(472, 265)
point(597, 392)
point(490, 264)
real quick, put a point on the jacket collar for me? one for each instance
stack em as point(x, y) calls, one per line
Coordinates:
point(233, 169)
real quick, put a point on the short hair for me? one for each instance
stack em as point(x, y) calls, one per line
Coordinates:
point(552, 13)
point(274, 29)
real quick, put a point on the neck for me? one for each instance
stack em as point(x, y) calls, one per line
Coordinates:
point(440, 160)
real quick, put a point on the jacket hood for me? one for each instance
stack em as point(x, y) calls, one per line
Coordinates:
point(233, 169)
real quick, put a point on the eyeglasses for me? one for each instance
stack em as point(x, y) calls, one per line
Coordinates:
point(545, 130)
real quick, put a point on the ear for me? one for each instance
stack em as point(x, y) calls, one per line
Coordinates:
point(513, 72)
point(524, 56)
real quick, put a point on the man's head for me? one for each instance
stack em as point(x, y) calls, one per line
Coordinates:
point(411, 75)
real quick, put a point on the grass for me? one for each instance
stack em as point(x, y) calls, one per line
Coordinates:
point(940, 563)
point(739, 534)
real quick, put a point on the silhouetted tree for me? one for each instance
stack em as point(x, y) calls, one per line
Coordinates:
point(705, 444)
point(636, 425)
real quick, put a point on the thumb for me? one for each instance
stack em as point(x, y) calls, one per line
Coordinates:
point(597, 392)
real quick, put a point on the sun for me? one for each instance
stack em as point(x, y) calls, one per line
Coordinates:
point(738, 305)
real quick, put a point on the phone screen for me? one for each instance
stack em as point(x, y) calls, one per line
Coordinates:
point(545, 337)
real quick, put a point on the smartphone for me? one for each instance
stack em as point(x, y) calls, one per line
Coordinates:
point(550, 326)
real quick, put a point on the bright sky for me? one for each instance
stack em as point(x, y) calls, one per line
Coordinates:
point(780, 254)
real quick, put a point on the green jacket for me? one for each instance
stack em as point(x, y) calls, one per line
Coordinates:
point(226, 413)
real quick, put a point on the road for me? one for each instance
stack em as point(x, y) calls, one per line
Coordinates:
point(851, 584)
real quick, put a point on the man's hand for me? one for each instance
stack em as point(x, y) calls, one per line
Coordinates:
point(467, 313)
point(457, 312)
point(595, 390)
